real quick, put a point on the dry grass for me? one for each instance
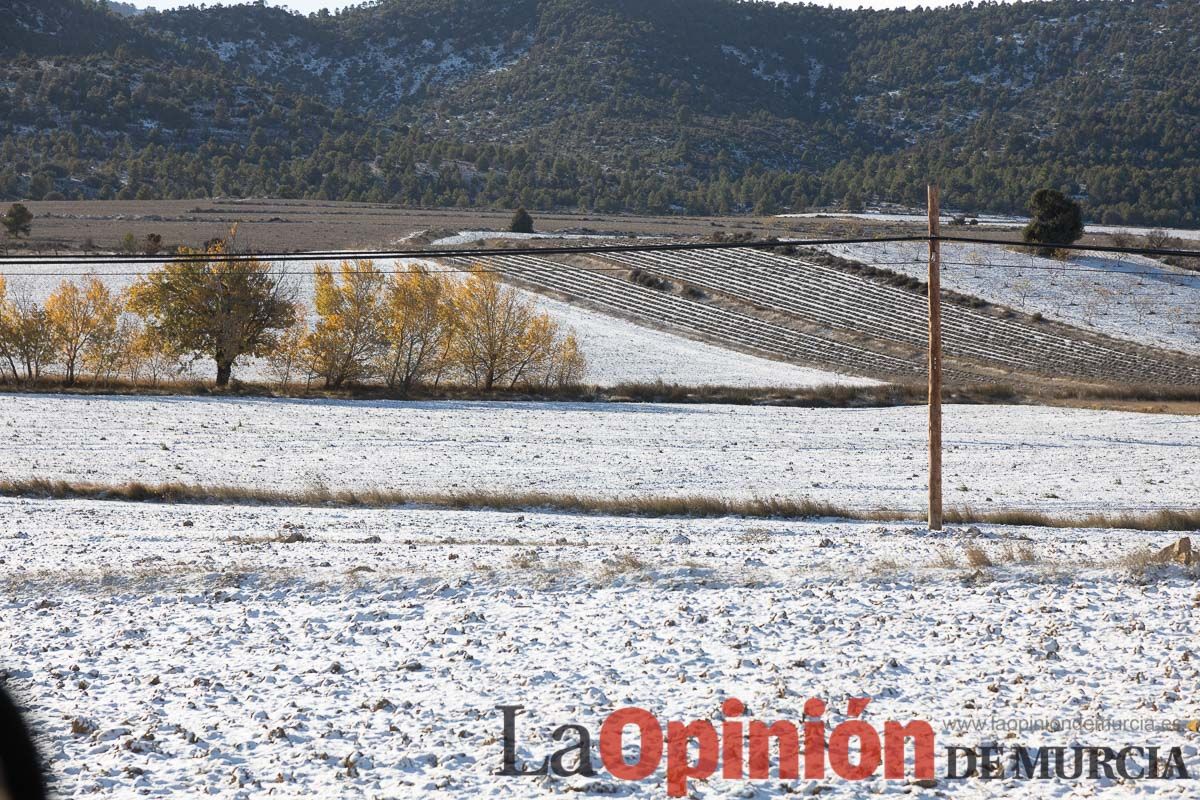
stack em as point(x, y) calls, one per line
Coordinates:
point(1167, 519)
point(696, 506)
point(977, 557)
point(1142, 398)
point(621, 565)
point(829, 396)
point(885, 566)
point(755, 536)
point(1140, 562)
point(643, 506)
point(946, 559)
point(1018, 553)
point(524, 559)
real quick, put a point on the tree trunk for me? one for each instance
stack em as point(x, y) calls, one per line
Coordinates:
point(224, 371)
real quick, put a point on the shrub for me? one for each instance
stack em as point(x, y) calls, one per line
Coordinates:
point(1055, 219)
point(649, 280)
point(521, 222)
point(1158, 239)
point(152, 244)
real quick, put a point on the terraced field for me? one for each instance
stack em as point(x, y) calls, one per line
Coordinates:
point(808, 313)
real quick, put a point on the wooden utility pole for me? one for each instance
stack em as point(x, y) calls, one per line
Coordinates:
point(935, 360)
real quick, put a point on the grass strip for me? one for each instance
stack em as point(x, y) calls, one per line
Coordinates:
point(693, 506)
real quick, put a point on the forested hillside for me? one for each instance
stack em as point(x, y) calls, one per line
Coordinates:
point(640, 105)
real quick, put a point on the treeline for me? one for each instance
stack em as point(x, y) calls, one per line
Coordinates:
point(621, 106)
point(411, 329)
point(417, 170)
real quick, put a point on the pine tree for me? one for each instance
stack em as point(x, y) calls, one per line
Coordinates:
point(1055, 219)
point(16, 220)
point(521, 222)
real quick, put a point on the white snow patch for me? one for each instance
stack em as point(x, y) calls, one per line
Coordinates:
point(1129, 297)
point(624, 352)
point(213, 659)
point(1054, 459)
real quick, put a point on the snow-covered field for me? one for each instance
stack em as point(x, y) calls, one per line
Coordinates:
point(618, 351)
point(996, 456)
point(998, 221)
point(1128, 297)
point(470, 237)
point(624, 352)
point(180, 651)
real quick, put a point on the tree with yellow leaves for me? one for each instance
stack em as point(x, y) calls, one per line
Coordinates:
point(501, 338)
point(567, 366)
point(6, 349)
point(346, 343)
point(81, 318)
point(143, 358)
point(107, 358)
point(417, 326)
point(216, 304)
point(26, 340)
point(288, 362)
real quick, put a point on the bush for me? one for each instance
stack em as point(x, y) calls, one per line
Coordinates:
point(17, 221)
point(521, 222)
point(1055, 219)
point(649, 280)
point(152, 244)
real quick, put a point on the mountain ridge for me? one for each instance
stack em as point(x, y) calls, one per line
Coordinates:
point(684, 105)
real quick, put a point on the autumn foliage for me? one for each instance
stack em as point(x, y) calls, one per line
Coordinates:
point(215, 305)
point(411, 328)
point(423, 327)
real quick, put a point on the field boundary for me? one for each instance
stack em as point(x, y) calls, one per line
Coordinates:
point(1165, 399)
point(654, 506)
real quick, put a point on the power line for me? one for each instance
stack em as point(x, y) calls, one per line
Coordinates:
point(105, 258)
point(437, 270)
point(553, 266)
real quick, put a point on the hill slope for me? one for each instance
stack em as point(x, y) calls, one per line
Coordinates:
point(701, 105)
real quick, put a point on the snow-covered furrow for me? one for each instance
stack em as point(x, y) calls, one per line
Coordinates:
point(619, 351)
point(848, 301)
point(1053, 459)
point(704, 320)
point(1127, 297)
point(180, 651)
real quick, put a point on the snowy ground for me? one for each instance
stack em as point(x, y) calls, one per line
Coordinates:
point(623, 352)
point(998, 221)
point(618, 351)
point(469, 237)
point(185, 651)
point(996, 456)
point(1128, 297)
